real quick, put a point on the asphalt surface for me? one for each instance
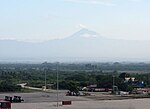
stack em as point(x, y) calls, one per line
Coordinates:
point(38, 97)
point(109, 104)
point(43, 100)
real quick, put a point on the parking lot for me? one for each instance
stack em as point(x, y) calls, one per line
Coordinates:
point(38, 97)
point(43, 100)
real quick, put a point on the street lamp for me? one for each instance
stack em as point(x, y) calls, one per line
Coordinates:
point(57, 83)
point(45, 79)
point(113, 85)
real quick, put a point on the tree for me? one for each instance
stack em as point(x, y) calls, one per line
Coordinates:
point(124, 75)
point(72, 87)
point(9, 87)
point(104, 81)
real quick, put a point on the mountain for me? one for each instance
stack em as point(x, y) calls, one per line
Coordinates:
point(84, 44)
point(86, 33)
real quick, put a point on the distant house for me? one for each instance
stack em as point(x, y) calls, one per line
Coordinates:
point(129, 78)
point(133, 82)
point(92, 86)
point(142, 90)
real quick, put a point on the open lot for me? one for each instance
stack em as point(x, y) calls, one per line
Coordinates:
point(43, 100)
point(38, 97)
point(108, 104)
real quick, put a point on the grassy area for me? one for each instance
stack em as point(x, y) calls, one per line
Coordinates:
point(27, 90)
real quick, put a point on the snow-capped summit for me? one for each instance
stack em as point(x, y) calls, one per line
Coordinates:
point(86, 33)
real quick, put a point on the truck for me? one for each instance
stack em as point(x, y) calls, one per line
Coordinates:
point(16, 99)
point(5, 104)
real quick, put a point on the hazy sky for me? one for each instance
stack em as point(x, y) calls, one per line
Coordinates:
point(36, 20)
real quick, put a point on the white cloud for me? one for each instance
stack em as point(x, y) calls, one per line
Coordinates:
point(89, 36)
point(96, 2)
point(136, 0)
point(81, 26)
point(99, 2)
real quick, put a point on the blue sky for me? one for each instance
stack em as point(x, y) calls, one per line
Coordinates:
point(39, 20)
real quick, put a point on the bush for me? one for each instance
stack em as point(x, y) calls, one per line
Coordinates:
point(9, 87)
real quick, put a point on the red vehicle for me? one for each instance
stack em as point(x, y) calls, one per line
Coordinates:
point(5, 104)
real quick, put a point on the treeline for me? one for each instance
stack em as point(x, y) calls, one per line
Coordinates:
point(80, 66)
point(106, 81)
point(34, 75)
point(8, 86)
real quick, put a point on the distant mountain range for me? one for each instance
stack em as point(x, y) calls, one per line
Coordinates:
point(85, 44)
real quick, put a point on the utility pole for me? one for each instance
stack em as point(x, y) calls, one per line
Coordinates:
point(45, 79)
point(57, 84)
point(113, 85)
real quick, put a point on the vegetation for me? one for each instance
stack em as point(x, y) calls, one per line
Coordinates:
point(73, 76)
point(9, 87)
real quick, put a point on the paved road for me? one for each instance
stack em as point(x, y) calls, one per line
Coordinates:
point(38, 97)
point(42, 96)
point(23, 85)
point(109, 104)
